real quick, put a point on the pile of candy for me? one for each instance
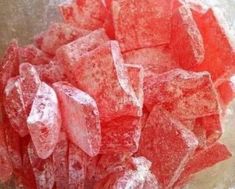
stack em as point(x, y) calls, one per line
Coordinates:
point(124, 94)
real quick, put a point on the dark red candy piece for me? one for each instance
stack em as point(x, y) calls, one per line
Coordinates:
point(203, 159)
point(9, 65)
point(34, 55)
point(80, 117)
point(186, 40)
point(42, 169)
point(59, 34)
point(219, 57)
point(154, 60)
point(121, 135)
point(60, 162)
point(167, 144)
point(111, 88)
point(14, 106)
point(87, 14)
point(187, 95)
point(44, 121)
point(146, 25)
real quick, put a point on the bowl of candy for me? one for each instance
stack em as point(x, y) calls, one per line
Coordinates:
point(117, 94)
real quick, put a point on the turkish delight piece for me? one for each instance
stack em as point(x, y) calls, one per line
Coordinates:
point(69, 54)
point(186, 40)
point(77, 170)
point(59, 34)
point(203, 159)
point(146, 25)
point(154, 60)
point(14, 106)
point(219, 57)
point(33, 55)
point(29, 81)
point(9, 64)
point(5, 162)
point(60, 162)
point(167, 144)
point(42, 169)
point(80, 117)
point(111, 88)
point(187, 95)
point(44, 121)
point(87, 14)
point(121, 135)
point(51, 72)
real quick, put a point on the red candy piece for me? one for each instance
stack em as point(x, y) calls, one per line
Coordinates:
point(186, 40)
point(59, 34)
point(44, 121)
point(34, 55)
point(154, 60)
point(9, 65)
point(146, 25)
point(121, 135)
point(187, 95)
point(42, 169)
point(80, 117)
point(87, 14)
point(204, 159)
point(60, 162)
point(167, 144)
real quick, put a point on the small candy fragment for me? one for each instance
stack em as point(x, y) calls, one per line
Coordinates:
point(59, 34)
point(42, 169)
point(9, 65)
point(187, 95)
point(186, 40)
point(34, 55)
point(60, 162)
point(44, 121)
point(87, 14)
point(111, 88)
point(167, 144)
point(146, 25)
point(121, 135)
point(80, 117)
point(154, 60)
point(203, 159)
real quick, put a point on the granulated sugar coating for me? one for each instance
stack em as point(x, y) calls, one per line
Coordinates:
point(121, 95)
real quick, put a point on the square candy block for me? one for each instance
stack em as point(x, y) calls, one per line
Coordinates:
point(186, 40)
point(44, 121)
point(187, 95)
point(111, 87)
point(80, 117)
point(87, 14)
point(167, 144)
point(59, 34)
point(142, 23)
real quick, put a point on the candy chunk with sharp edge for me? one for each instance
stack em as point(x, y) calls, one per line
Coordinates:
point(146, 25)
point(87, 14)
point(42, 169)
point(60, 162)
point(203, 159)
point(154, 60)
point(44, 121)
point(80, 117)
point(187, 95)
point(14, 106)
point(111, 87)
point(167, 144)
point(121, 135)
point(186, 40)
point(9, 64)
point(59, 34)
